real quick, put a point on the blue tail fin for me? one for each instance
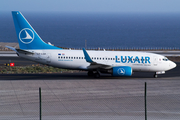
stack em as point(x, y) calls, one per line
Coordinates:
point(27, 36)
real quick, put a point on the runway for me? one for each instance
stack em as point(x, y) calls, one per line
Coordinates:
point(74, 96)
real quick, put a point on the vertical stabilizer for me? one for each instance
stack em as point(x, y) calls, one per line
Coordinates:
point(27, 36)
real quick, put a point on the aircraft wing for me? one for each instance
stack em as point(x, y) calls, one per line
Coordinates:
point(94, 65)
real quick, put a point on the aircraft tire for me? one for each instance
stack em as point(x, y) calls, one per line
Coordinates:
point(90, 73)
point(96, 75)
point(155, 75)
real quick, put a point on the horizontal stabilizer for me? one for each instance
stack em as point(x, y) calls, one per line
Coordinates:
point(19, 50)
point(14, 49)
point(24, 51)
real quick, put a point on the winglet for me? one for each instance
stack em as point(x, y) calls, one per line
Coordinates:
point(87, 57)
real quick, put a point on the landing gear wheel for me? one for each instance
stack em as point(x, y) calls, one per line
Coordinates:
point(97, 75)
point(90, 73)
point(155, 75)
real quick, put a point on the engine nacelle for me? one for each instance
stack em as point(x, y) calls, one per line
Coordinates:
point(122, 71)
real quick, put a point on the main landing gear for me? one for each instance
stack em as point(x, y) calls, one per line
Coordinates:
point(155, 75)
point(94, 74)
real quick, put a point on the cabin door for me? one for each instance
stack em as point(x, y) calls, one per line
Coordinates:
point(155, 61)
point(48, 59)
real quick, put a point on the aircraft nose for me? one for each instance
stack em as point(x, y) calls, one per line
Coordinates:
point(172, 65)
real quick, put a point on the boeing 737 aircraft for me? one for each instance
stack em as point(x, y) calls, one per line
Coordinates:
point(116, 63)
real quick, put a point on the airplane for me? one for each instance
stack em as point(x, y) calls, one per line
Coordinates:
point(116, 63)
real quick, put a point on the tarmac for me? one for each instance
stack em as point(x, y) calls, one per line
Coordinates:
point(75, 96)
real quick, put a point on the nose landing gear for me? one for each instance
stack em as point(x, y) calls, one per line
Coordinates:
point(156, 73)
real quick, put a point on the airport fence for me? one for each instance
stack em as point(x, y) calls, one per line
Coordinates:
point(117, 48)
point(69, 99)
point(129, 48)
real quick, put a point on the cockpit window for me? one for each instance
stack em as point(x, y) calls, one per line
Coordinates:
point(165, 59)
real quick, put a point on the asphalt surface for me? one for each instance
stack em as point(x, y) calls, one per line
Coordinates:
point(66, 98)
point(75, 96)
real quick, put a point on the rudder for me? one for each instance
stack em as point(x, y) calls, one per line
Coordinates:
point(27, 36)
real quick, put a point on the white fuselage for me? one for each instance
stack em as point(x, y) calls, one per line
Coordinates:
point(74, 59)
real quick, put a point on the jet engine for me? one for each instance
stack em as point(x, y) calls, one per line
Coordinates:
point(122, 71)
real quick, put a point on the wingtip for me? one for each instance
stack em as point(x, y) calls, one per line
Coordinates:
point(15, 12)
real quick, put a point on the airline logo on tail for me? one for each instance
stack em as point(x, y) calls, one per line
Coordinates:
point(26, 35)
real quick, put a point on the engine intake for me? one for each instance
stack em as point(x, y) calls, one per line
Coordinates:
point(122, 71)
